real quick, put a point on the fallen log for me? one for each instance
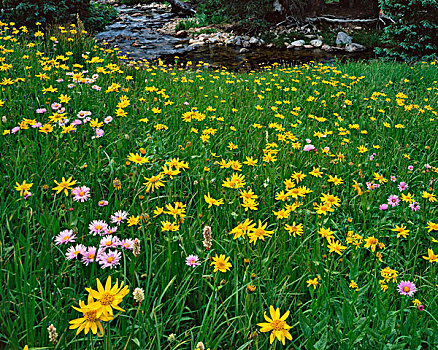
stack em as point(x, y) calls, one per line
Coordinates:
point(341, 20)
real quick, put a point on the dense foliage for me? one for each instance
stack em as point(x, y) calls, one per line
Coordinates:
point(414, 33)
point(29, 12)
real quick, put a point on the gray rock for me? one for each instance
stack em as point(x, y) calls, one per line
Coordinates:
point(297, 43)
point(316, 43)
point(246, 44)
point(213, 40)
point(308, 46)
point(261, 42)
point(353, 47)
point(327, 48)
point(243, 50)
point(343, 38)
point(253, 41)
point(270, 45)
point(309, 36)
point(238, 41)
point(196, 44)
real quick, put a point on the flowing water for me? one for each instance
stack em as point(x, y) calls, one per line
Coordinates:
point(136, 33)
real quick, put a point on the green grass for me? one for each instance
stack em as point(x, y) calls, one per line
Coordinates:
point(388, 108)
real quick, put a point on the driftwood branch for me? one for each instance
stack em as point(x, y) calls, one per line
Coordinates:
point(383, 18)
point(341, 20)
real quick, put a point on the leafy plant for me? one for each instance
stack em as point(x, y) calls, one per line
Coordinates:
point(99, 16)
point(29, 12)
point(413, 35)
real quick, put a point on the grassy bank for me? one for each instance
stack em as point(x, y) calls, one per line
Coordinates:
point(289, 166)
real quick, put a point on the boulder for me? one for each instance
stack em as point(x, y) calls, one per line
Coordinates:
point(353, 47)
point(246, 44)
point(253, 41)
point(343, 39)
point(238, 41)
point(297, 43)
point(316, 43)
point(327, 48)
point(308, 46)
point(213, 40)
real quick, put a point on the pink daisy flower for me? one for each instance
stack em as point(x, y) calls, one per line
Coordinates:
point(89, 255)
point(99, 132)
point(109, 242)
point(110, 230)
point(76, 122)
point(393, 200)
point(56, 105)
point(83, 114)
point(393, 179)
point(98, 227)
point(309, 148)
point(127, 244)
point(103, 203)
point(15, 130)
point(75, 252)
point(108, 120)
point(192, 260)
point(383, 207)
point(37, 125)
point(414, 206)
point(119, 217)
point(109, 259)
point(64, 237)
point(407, 288)
point(403, 186)
point(410, 168)
point(81, 193)
point(41, 110)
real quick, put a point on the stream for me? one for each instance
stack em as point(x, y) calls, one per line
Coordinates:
point(138, 32)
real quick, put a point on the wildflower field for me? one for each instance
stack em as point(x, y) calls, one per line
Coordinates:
point(153, 207)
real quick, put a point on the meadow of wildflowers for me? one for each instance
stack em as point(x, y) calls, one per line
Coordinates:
point(145, 206)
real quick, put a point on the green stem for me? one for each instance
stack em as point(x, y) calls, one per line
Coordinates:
point(133, 327)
